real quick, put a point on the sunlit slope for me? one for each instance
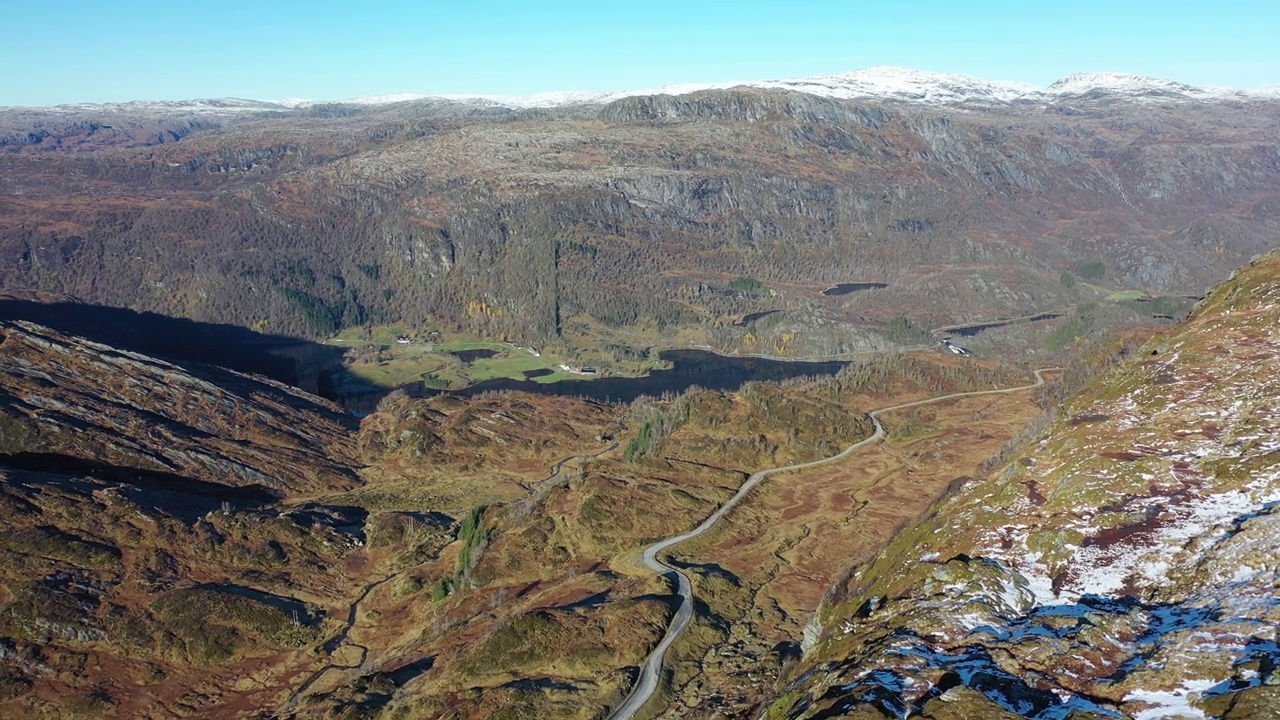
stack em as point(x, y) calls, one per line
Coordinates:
point(1125, 565)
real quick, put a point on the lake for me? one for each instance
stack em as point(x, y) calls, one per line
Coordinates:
point(846, 288)
point(688, 368)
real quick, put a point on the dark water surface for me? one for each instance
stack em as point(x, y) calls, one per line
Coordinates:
point(688, 368)
point(846, 288)
point(974, 329)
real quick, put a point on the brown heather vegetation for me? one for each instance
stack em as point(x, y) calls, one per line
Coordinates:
point(1188, 412)
point(184, 540)
point(466, 556)
point(556, 606)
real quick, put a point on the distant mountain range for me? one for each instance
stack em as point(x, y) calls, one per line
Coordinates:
point(902, 84)
point(883, 83)
point(959, 201)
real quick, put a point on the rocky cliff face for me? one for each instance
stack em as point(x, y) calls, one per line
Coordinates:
point(1124, 565)
point(158, 532)
point(543, 222)
point(65, 399)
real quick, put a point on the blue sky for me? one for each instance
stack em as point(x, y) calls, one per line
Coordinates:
point(78, 51)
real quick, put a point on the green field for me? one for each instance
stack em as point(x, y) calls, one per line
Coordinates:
point(432, 360)
point(1114, 295)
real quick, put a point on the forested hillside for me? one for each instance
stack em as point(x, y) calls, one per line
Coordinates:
point(654, 211)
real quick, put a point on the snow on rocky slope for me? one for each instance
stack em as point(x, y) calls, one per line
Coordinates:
point(1126, 565)
point(213, 106)
point(887, 83)
point(893, 84)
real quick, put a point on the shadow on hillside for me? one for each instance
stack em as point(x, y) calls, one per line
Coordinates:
point(405, 673)
point(301, 612)
point(316, 368)
point(177, 495)
point(293, 361)
point(709, 570)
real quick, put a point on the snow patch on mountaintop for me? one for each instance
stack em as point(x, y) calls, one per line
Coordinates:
point(889, 83)
point(903, 84)
point(382, 99)
point(291, 103)
point(895, 84)
point(1126, 84)
point(1081, 83)
point(548, 99)
point(208, 106)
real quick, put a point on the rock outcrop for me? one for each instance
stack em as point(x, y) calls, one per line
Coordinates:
point(1124, 565)
point(157, 530)
point(73, 403)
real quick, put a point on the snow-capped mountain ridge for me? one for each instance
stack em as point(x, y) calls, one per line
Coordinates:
point(903, 84)
point(881, 82)
point(892, 83)
point(200, 106)
point(1129, 84)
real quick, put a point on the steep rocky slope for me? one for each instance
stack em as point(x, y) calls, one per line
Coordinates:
point(1124, 565)
point(182, 540)
point(65, 399)
point(159, 552)
point(641, 213)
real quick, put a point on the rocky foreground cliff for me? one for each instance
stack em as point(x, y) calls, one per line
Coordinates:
point(146, 564)
point(67, 399)
point(1123, 565)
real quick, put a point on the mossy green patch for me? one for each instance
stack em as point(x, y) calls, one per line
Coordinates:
point(50, 542)
point(214, 625)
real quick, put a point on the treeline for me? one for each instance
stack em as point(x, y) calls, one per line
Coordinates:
point(885, 374)
point(656, 419)
point(474, 538)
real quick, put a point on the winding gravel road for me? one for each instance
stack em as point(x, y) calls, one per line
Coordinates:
point(651, 671)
